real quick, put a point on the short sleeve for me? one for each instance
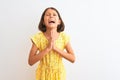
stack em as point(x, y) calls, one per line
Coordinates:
point(66, 38)
point(36, 39)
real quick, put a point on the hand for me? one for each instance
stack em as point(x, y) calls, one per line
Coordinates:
point(51, 40)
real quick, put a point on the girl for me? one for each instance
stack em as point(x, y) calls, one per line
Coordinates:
point(48, 47)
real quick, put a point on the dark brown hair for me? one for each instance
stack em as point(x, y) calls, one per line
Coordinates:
point(41, 25)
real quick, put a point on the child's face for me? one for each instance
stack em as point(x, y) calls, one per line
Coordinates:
point(51, 19)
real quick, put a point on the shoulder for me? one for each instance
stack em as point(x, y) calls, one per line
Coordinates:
point(37, 35)
point(64, 35)
point(35, 38)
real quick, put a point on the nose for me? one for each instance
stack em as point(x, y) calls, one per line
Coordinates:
point(51, 16)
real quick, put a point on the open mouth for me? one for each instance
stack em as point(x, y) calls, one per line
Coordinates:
point(51, 21)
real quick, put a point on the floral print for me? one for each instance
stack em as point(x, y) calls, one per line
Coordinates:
point(51, 66)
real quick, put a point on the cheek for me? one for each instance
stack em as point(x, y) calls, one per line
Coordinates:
point(59, 22)
point(45, 21)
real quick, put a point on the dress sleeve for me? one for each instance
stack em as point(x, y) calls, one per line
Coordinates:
point(35, 39)
point(66, 38)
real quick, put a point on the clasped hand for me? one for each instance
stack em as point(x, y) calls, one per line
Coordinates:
point(51, 44)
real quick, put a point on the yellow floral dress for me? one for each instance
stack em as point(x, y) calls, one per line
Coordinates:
point(51, 66)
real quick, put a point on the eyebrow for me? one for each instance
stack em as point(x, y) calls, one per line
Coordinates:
point(50, 13)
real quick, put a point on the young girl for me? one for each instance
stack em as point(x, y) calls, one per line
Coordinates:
point(48, 47)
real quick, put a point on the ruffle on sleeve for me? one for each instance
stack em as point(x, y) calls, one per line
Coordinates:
point(66, 38)
point(36, 39)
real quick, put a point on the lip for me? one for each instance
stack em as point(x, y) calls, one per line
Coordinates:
point(51, 21)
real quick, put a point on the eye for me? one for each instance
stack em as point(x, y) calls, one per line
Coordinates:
point(54, 14)
point(47, 14)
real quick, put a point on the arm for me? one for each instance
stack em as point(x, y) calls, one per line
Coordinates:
point(35, 56)
point(69, 55)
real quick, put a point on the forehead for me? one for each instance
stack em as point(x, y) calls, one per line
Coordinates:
point(51, 11)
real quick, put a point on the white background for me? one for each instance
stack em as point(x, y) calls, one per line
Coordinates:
point(92, 24)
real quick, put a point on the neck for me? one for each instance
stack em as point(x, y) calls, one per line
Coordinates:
point(48, 31)
point(51, 33)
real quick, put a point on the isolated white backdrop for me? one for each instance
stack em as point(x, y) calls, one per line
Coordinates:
point(92, 24)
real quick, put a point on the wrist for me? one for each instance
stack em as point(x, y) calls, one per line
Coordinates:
point(48, 49)
point(55, 49)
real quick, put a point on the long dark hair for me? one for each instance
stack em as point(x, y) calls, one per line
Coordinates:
point(41, 25)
